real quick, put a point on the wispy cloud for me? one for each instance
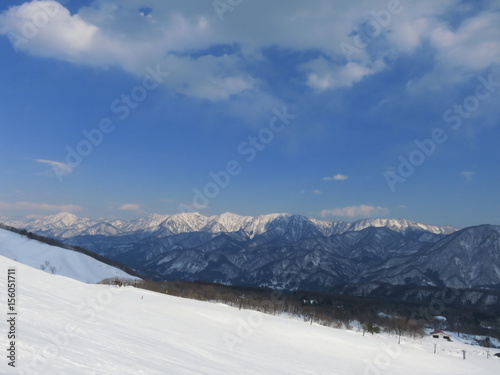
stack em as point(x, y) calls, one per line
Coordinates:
point(60, 169)
point(323, 75)
point(467, 175)
point(337, 177)
point(130, 207)
point(315, 192)
point(30, 206)
point(356, 211)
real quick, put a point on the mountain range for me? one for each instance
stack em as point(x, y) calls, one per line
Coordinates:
point(286, 251)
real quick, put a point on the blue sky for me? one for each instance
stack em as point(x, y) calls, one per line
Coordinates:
point(336, 110)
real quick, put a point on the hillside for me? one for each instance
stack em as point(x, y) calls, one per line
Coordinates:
point(56, 260)
point(464, 259)
point(73, 328)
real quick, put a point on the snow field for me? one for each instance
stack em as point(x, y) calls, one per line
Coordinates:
point(67, 327)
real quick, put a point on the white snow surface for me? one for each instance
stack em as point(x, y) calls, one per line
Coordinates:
point(56, 260)
point(68, 327)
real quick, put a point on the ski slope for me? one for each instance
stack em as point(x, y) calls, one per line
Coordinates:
point(68, 327)
point(56, 260)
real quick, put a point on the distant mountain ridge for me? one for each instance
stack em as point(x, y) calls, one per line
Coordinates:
point(66, 225)
point(278, 250)
point(465, 259)
point(286, 251)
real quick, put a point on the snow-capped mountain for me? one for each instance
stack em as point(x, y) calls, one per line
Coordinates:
point(67, 225)
point(277, 250)
point(56, 260)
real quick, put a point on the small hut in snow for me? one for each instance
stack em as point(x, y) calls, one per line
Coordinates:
point(441, 335)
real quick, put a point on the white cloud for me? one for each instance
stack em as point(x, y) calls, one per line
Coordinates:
point(323, 75)
point(130, 207)
point(208, 77)
point(29, 206)
point(461, 53)
point(316, 192)
point(408, 35)
point(475, 45)
point(46, 28)
point(60, 169)
point(178, 36)
point(337, 177)
point(110, 33)
point(467, 175)
point(356, 211)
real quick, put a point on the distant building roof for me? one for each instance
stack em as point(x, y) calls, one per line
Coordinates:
point(439, 331)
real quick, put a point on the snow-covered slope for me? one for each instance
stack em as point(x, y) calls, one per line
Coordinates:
point(397, 225)
point(67, 327)
point(56, 260)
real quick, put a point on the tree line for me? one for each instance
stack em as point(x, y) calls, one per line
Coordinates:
point(337, 311)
